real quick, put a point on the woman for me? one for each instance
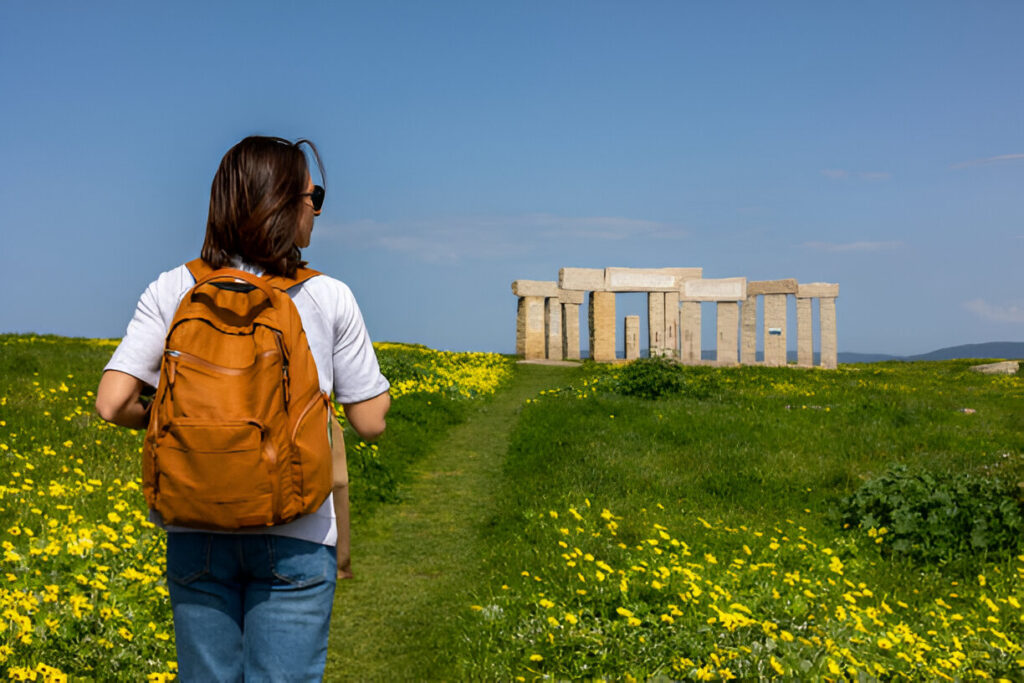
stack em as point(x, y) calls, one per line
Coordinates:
point(255, 605)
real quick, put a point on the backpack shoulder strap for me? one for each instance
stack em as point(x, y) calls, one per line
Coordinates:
point(283, 283)
point(199, 268)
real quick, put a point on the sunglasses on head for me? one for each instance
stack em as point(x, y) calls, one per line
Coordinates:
point(316, 196)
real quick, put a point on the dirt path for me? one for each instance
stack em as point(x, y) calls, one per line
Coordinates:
point(415, 562)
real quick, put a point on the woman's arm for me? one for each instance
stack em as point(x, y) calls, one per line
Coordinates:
point(367, 417)
point(118, 400)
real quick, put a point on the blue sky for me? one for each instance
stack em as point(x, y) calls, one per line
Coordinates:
point(879, 145)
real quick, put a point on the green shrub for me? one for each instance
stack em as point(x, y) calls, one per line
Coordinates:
point(657, 376)
point(958, 518)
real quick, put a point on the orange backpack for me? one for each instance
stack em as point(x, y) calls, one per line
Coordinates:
point(238, 433)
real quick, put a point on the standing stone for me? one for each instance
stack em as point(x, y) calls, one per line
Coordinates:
point(775, 330)
point(553, 328)
point(632, 337)
point(571, 331)
point(748, 330)
point(804, 333)
point(602, 326)
point(670, 345)
point(728, 320)
point(690, 328)
point(533, 321)
point(521, 327)
point(656, 323)
point(829, 346)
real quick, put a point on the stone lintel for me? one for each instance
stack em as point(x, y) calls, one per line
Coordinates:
point(719, 289)
point(570, 296)
point(648, 279)
point(534, 288)
point(818, 290)
point(582, 279)
point(788, 286)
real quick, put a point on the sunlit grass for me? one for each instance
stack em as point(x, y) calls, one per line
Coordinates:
point(708, 601)
point(82, 585)
point(698, 536)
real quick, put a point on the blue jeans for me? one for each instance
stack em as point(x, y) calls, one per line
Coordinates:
point(250, 607)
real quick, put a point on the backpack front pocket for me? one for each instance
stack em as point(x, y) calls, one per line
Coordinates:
point(212, 474)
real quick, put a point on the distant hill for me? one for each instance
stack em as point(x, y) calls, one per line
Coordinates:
point(1007, 350)
point(854, 357)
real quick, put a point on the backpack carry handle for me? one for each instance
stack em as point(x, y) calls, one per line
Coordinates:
point(236, 274)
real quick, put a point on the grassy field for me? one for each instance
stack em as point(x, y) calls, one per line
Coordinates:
point(566, 526)
point(82, 587)
point(701, 535)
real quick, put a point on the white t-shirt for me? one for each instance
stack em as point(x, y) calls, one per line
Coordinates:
point(341, 347)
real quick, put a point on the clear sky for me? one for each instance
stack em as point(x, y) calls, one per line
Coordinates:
point(879, 145)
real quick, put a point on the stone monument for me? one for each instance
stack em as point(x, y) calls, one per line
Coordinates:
point(547, 320)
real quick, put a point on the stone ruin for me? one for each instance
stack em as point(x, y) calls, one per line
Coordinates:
point(547, 321)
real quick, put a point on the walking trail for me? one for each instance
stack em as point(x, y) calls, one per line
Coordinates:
point(415, 561)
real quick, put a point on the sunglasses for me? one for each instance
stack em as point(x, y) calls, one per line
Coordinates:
point(316, 196)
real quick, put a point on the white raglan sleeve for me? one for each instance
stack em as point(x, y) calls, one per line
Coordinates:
point(357, 375)
point(141, 349)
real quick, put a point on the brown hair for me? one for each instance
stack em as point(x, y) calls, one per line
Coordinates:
point(255, 205)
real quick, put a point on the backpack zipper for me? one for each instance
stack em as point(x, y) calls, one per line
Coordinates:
point(286, 382)
point(196, 360)
point(302, 416)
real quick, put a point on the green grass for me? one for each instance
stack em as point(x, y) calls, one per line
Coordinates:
point(82, 585)
point(742, 464)
point(757, 453)
point(768, 441)
point(415, 564)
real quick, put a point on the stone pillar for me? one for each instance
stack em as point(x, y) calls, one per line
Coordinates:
point(826, 293)
point(690, 326)
point(571, 331)
point(774, 293)
point(632, 337)
point(570, 337)
point(671, 343)
point(804, 333)
point(829, 344)
point(727, 324)
point(521, 327)
point(748, 330)
point(531, 342)
point(721, 290)
point(775, 330)
point(602, 326)
point(553, 328)
point(656, 323)
point(533, 320)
